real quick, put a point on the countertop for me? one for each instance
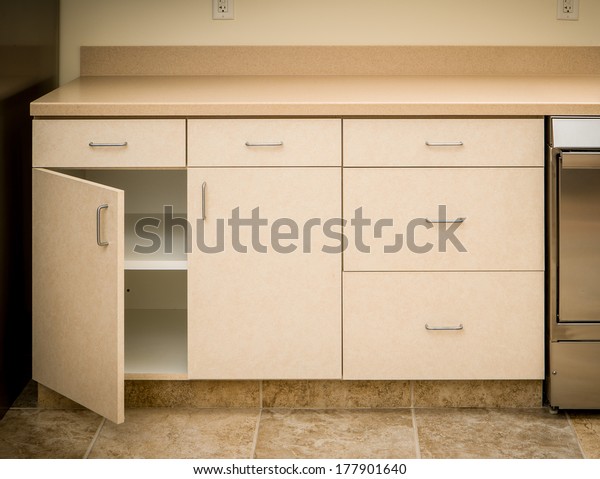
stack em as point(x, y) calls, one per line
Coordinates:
point(324, 95)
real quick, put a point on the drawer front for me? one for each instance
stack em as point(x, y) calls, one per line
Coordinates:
point(444, 142)
point(265, 142)
point(502, 208)
point(386, 316)
point(109, 143)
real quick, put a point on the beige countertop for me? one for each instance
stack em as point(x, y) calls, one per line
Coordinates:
point(326, 95)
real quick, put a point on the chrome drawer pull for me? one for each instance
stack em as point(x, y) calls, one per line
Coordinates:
point(98, 226)
point(443, 328)
point(444, 143)
point(265, 143)
point(203, 213)
point(457, 220)
point(107, 145)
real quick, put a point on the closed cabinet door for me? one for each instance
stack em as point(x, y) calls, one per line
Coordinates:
point(264, 274)
point(78, 328)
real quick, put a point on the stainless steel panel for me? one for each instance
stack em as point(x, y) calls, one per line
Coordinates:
point(582, 133)
point(579, 240)
point(574, 375)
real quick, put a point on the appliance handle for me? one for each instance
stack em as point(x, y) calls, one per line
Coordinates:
point(581, 160)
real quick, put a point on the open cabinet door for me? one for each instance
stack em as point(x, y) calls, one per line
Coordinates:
point(78, 278)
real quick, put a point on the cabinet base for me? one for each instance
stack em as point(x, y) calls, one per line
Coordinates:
point(319, 394)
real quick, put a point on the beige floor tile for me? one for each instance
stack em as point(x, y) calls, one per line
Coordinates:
point(587, 427)
point(47, 434)
point(495, 433)
point(179, 433)
point(358, 433)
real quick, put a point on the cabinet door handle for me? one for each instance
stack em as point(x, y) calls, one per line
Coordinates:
point(99, 226)
point(93, 144)
point(457, 220)
point(264, 143)
point(443, 328)
point(444, 143)
point(203, 211)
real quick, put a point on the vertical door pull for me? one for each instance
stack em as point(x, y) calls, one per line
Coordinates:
point(98, 226)
point(203, 201)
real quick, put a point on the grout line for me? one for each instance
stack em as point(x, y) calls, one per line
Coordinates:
point(412, 393)
point(416, 434)
point(260, 394)
point(255, 439)
point(91, 446)
point(576, 435)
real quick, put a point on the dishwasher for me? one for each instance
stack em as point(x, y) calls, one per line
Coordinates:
point(573, 262)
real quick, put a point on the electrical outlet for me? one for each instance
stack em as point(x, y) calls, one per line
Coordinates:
point(567, 9)
point(222, 9)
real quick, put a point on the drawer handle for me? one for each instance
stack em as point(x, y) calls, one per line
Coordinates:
point(264, 143)
point(443, 328)
point(203, 213)
point(444, 143)
point(99, 226)
point(107, 145)
point(457, 220)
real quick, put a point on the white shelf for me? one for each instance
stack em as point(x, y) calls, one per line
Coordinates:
point(156, 343)
point(158, 260)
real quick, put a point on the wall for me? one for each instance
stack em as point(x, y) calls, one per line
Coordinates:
point(29, 59)
point(314, 22)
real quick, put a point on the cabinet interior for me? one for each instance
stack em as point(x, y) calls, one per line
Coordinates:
point(155, 283)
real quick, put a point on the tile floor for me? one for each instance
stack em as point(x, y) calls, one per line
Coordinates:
point(29, 432)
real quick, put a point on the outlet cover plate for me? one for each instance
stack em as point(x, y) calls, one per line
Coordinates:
point(222, 9)
point(567, 9)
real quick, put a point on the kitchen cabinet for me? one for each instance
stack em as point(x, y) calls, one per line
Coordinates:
point(430, 292)
point(272, 313)
point(106, 308)
point(241, 277)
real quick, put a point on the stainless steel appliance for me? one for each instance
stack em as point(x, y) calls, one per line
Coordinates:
point(573, 262)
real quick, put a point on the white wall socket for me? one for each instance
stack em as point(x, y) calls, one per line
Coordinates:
point(567, 9)
point(222, 9)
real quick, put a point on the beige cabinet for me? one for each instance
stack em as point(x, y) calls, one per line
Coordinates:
point(444, 325)
point(220, 257)
point(267, 305)
point(494, 219)
point(78, 297)
point(103, 310)
point(443, 275)
point(443, 142)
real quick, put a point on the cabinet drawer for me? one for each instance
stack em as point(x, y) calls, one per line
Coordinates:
point(386, 316)
point(444, 142)
point(109, 143)
point(265, 142)
point(502, 208)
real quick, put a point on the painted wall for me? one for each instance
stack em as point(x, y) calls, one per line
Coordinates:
point(318, 22)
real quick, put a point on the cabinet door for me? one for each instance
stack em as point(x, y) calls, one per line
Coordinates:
point(264, 315)
point(78, 309)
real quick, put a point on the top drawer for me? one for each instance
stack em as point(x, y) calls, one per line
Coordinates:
point(265, 142)
point(109, 143)
point(444, 142)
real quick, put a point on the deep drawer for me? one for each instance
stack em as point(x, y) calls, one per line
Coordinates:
point(108, 143)
point(444, 142)
point(265, 142)
point(495, 325)
point(500, 210)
